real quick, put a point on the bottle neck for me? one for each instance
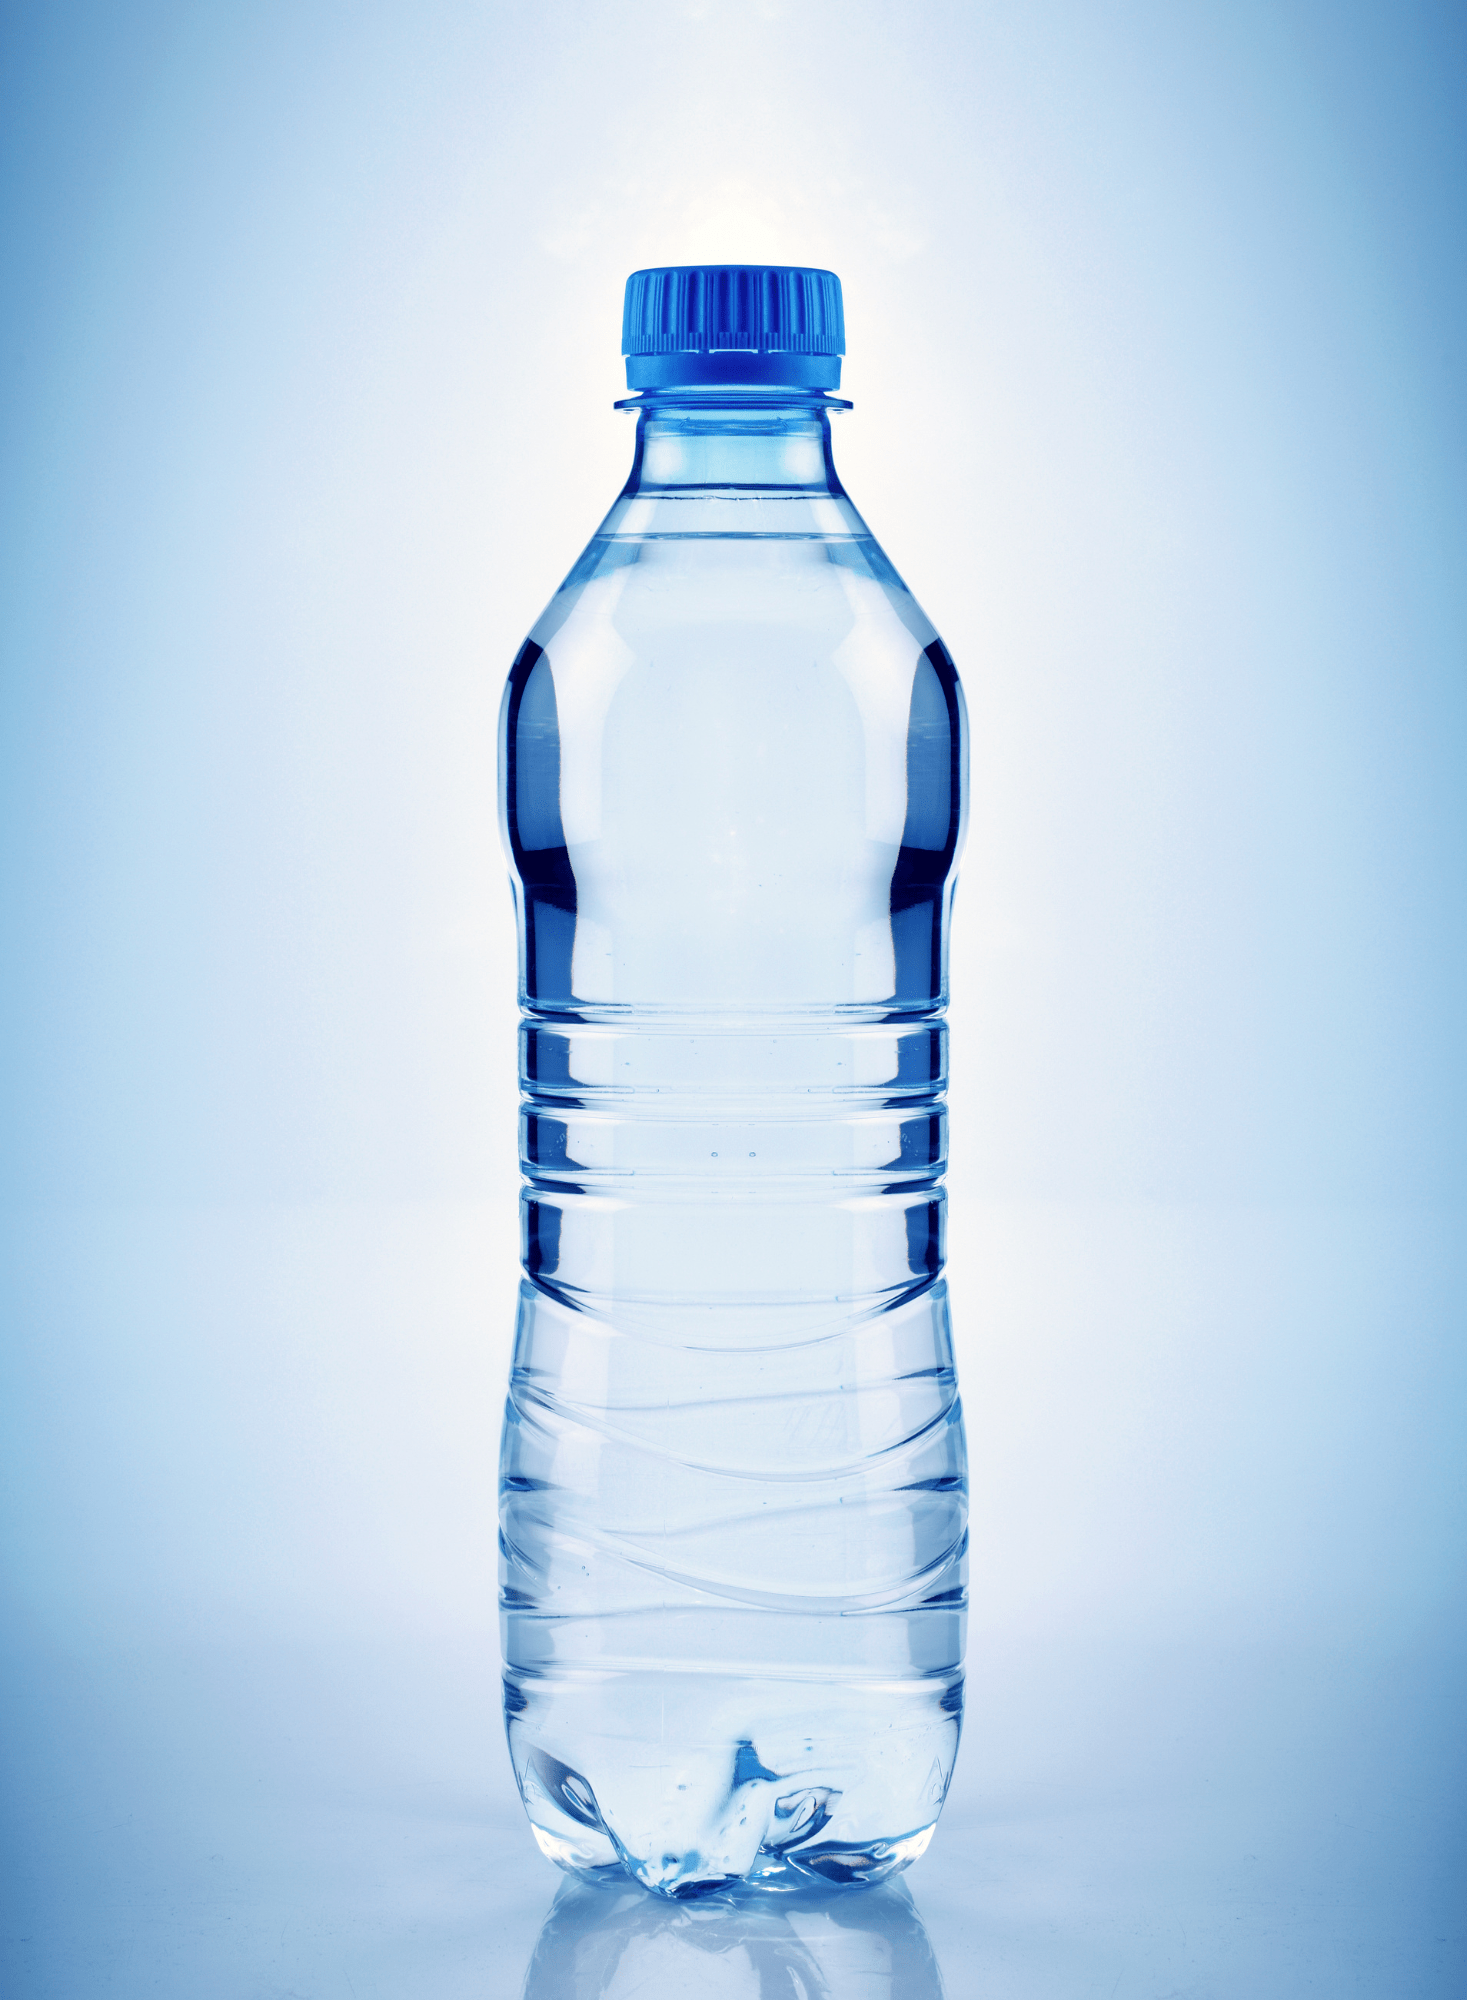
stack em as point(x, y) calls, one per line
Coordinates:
point(757, 445)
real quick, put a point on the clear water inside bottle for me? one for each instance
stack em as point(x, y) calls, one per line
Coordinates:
point(733, 1519)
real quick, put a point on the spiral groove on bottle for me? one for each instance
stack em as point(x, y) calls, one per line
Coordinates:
point(733, 1386)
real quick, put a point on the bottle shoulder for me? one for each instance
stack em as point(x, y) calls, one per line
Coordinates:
point(629, 590)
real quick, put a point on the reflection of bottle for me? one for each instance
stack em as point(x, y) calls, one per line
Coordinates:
point(604, 1945)
point(733, 1481)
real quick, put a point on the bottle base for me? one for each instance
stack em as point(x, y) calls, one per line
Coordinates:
point(693, 1782)
point(830, 1865)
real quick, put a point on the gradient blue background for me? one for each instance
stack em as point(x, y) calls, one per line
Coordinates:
point(1156, 322)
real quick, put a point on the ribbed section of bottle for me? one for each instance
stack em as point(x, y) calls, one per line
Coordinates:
point(733, 1499)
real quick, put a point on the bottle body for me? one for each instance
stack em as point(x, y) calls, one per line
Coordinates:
point(733, 1491)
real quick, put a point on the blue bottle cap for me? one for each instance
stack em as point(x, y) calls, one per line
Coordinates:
point(691, 325)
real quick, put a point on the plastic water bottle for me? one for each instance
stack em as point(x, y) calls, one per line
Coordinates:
point(733, 1486)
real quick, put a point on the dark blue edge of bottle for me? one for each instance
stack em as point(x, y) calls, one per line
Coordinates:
point(929, 845)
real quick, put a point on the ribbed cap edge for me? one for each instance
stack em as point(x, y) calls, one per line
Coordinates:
point(733, 308)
